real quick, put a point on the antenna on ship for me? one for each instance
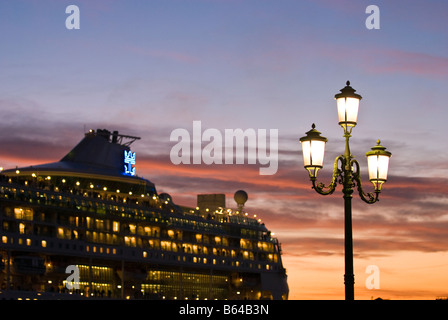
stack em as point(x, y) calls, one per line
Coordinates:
point(240, 199)
point(114, 137)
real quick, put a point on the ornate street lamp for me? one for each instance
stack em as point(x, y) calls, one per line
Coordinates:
point(346, 171)
point(378, 164)
point(313, 147)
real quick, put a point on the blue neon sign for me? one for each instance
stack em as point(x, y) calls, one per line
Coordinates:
point(129, 162)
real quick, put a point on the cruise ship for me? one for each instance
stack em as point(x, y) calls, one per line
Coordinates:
point(88, 227)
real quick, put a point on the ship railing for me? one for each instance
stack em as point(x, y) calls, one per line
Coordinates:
point(31, 194)
point(14, 191)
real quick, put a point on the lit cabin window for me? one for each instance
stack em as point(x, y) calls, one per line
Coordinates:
point(99, 224)
point(21, 228)
point(130, 241)
point(88, 221)
point(23, 213)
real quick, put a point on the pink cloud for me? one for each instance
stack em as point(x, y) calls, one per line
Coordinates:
point(398, 61)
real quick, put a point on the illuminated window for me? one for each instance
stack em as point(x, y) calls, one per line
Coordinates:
point(99, 224)
point(4, 239)
point(21, 228)
point(187, 247)
point(166, 245)
point(23, 213)
point(60, 233)
point(116, 226)
point(130, 241)
point(44, 244)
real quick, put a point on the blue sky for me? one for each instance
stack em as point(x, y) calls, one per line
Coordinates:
point(148, 67)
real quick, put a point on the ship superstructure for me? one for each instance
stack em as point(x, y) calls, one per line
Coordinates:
point(90, 210)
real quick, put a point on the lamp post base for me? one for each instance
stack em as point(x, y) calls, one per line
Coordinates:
point(349, 281)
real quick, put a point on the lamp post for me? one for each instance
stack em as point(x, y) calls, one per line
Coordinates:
point(346, 171)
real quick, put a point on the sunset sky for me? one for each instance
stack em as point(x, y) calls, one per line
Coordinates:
point(148, 67)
